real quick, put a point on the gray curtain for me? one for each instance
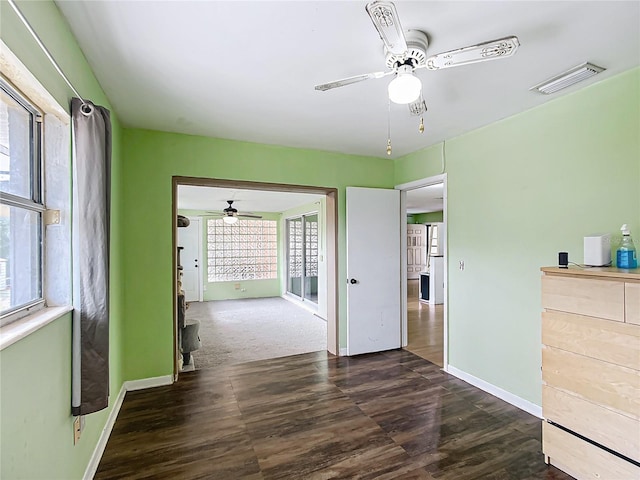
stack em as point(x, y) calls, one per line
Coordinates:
point(91, 204)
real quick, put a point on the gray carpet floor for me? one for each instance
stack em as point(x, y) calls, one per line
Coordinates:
point(239, 331)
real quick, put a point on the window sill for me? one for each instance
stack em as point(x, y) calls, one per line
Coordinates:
point(15, 331)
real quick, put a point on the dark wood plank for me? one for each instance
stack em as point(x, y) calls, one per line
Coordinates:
point(391, 415)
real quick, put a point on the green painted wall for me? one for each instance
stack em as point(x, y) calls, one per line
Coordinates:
point(242, 289)
point(151, 159)
point(431, 217)
point(421, 164)
point(35, 392)
point(519, 191)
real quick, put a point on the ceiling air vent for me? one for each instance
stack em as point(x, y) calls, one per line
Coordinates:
point(568, 78)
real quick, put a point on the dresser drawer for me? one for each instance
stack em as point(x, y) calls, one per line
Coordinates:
point(613, 342)
point(583, 460)
point(584, 296)
point(632, 303)
point(603, 383)
point(606, 427)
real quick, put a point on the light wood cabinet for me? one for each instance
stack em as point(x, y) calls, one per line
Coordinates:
point(582, 459)
point(632, 302)
point(591, 371)
point(585, 296)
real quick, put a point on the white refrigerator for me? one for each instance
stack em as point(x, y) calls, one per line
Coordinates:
point(436, 280)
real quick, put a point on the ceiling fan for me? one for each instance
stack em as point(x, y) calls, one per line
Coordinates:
point(230, 214)
point(405, 52)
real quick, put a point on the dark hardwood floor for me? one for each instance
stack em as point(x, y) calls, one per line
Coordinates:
point(389, 415)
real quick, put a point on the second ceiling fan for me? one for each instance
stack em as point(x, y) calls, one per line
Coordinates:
point(230, 214)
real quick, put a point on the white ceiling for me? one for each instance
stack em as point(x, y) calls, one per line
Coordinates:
point(425, 199)
point(246, 70)
point(215, 199)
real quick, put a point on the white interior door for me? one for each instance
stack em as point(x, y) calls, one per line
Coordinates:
point(190, 238)
point(373, 270)
point(416, 250)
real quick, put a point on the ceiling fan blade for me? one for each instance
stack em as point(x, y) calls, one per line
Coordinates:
point(242, 215)
point(350, 80)
point(500, 48)
point(385, 18)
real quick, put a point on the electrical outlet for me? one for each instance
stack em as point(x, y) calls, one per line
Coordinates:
point(461, 265)
point(77, 429)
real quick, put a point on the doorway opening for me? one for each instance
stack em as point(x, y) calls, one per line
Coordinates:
point(235, 264)
point(424, 264)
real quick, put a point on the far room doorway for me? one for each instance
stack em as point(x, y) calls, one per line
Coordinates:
point(425, 267)
point(245, 312)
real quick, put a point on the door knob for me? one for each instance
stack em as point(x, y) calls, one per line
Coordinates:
point(353, 281)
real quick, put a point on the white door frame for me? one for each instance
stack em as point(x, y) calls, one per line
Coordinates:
point(404, 187)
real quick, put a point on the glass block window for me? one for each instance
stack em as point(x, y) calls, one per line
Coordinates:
point(311, 246)
point(295, 247)
point(246, 250)
point(302, 256)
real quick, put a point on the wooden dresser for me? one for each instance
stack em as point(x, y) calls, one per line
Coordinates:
point(591, 371)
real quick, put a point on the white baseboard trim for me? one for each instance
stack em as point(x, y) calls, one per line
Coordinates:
point(128, 386)
point(143, 383)
point(90, 472)
point(342, 352)
point(508, 397)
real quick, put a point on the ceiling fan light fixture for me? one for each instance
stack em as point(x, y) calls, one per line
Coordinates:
point(406, 87)
point(229, 219)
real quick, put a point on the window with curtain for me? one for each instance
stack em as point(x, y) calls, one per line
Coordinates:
point(21, 206)
point(245, 250)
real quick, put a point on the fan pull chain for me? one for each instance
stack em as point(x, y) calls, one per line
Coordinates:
point(389, 129)
point(421, 127)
